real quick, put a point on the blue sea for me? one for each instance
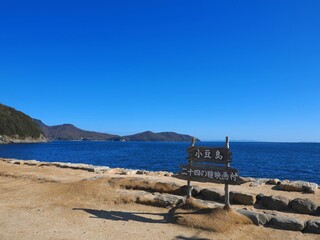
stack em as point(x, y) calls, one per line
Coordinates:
point(293, 161)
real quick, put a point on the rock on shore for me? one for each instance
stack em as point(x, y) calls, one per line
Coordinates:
point(16, 139)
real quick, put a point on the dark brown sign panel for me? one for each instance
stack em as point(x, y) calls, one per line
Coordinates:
point(209, 174)
point(209, 154)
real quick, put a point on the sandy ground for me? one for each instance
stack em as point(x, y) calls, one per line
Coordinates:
point(53, 203)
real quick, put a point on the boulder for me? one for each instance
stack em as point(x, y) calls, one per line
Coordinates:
point(44, 164)
point(76, 166)
point(208, 204)
point(258, 182)
point(136, 196)
point(86, 167)
point(241, 198)
point(212, 194)
point(168, 174)
point(31, 162)
point(286, 223)
point(156, 199)
point(196, 191)
point(256, 218)
point(278, 203)
point(114, 171)
point(310, 189)
point(262, 180)
point(184, 191)
point(246, 179)
point(160, 173)
point(142, 172)
point(312, 226)
point(259, 197)
point(128, 172)
point(317, 212)
point(298, 186)
point(304, 206)
point(100, 170)
point(166, 200)
point(273, 181)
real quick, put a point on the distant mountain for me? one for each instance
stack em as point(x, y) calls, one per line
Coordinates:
point(70, 132)
point(17, 127)
point(159, 137)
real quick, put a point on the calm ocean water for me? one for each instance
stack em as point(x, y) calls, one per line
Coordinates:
point(294, 161)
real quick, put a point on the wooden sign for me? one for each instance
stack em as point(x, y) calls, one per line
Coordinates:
point(209, 173)
point(196, 170)
point(209, 154)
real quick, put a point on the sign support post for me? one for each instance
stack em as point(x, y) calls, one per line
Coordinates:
point(189, 194)
point(226, 186)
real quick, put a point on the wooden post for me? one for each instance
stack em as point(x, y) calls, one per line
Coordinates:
point(226, 186)
point(189, 193)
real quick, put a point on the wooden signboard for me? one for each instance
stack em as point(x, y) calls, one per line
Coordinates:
point(209, 154)
point(209, 174)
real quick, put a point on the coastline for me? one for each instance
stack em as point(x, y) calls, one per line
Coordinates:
point(17, 140)
point(127, 171)
point(118, 203)
point(87, 167)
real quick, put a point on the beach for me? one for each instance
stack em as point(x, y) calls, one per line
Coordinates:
point(43, 201)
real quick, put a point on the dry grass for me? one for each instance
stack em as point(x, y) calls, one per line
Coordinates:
point(191, 204)
point(166, 187)
point(216, 220)
point(103, 190)
point(84, 192)
point(137, 183)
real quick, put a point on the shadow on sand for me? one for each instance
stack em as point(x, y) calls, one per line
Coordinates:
point(123, 216)
point(189, 238)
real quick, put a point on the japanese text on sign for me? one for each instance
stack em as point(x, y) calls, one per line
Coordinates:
point(211, 174)
point(208, 154)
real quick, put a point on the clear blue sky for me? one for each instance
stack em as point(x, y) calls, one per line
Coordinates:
point(247, 69)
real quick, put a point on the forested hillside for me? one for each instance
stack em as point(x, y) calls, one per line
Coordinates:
point(14, 123)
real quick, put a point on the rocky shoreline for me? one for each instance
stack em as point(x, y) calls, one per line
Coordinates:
point(285, 185)
point(87, 167)
point(286, 205)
